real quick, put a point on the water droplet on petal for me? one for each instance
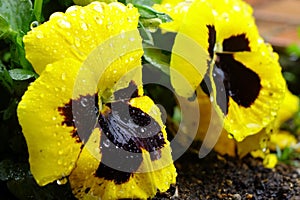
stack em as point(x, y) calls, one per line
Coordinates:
point(60, 152)
point(71, 9)
point(98, 20)
point(39, 35)
point(62, 181)
point(84, 26)
point(63, 23)
point(97, 7)
point(106, 143)
point(34, 24)
point(84, 102)
point(63, 76)
point(77, 42)
point(59, 162)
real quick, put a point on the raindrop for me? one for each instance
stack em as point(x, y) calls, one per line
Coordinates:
point(211, 98)
point(39, 35)
point(63, 76)
point(53, 118)
point(63, 23)
point(97, 7)
point(142, 130)
point(115, 71)
point(34, 24)
point(98, 20)
point(60, 152)
point(225, 16)
point(236, 8)
point(84, 102)
point(71, 9)
point(132, 39)
point(84, 26)
point(106, 143)
point(109, 24)
point(59, 162)
point(77, 42)
point(62, 181)
point(129, 19)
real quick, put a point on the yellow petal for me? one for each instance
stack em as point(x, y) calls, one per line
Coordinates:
point(86, 2)
point(253, 101)
point(234, 17)
point(224, 145)
point(254, 142)
point(53, 147)
point(77, 32)
point(270, 160)
point(288, 108)
point(191, 50)
point(176, 10)
point(282, 139)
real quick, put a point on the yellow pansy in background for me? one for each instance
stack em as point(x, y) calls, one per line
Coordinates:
point(86, 2)
point(87, 107)
point(224, 45)
point(288, 109)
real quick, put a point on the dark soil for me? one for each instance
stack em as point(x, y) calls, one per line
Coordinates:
point(215, 177)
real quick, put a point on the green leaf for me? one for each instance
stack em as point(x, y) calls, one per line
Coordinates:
point(144, 2)
point(6, 82)
point(157, 58)
point(17, 13)
point(293, 49)
point(4, 27)
point(21, 74)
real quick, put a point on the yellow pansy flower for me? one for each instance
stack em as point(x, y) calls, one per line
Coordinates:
point(176, 10)
point(86, 2)
point(85, 117)
point(222, 43)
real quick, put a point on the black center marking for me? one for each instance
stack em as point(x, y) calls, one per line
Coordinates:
point(234, 79)
point(81, 114)
point(130, 129)
point(236, 43)
point(211, 40)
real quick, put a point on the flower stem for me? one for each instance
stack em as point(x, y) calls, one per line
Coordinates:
point(37, 9)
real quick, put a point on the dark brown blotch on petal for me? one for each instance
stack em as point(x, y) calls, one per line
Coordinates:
point(81, 114)
point(236, 43)
point(211, 40)
point(235, 80)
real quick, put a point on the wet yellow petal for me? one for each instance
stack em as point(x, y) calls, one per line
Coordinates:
point(234, 17)
point(86, 2)
point(77, 32)
point(151, 176)
point(190, 53)
point(242, 121)
point(254, 142)
point(176, 10)
point(282, 139)
point(52, 149)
